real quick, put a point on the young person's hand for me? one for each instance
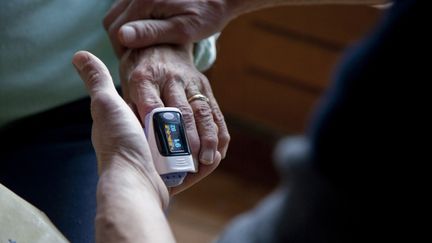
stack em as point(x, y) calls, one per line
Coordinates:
point(131, 195)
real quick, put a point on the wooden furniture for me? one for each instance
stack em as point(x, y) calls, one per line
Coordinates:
point(273, 65)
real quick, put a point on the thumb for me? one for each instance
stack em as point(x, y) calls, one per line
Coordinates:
point(143, 33)
point(94, 73)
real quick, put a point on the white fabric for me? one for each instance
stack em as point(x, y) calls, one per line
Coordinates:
point(21, 222)
point(205, 52)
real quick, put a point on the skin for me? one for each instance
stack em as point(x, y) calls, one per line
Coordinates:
point(131, 196)
point(151, 76)
point(165, 75)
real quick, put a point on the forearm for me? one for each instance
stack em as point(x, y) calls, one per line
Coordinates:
point(128, 208)
point(239, 7)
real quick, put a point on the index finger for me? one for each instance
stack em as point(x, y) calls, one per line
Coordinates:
point(144, 92)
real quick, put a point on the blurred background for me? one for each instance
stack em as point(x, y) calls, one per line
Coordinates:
point(271, 69)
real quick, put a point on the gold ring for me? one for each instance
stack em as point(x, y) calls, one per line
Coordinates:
point(198, 97)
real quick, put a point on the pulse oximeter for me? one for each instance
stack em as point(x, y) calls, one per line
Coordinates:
point(166, 135)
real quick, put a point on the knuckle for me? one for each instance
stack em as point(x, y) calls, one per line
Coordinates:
point(147, 31)
point(197, 84)
point(146, 95)
point(202, 78)
point(171, 85)
point(93, 76)
point(153, 73)
point(202, 112)
point(187, 114)
point(102, 99)
point(209, 132)
point(138, 75)
point(146, 106)
point(102, 104)
point(209, 141)
point(149, 103)
point(144, 91)
point(225, 137)
point(186, 28)
point(186, 111)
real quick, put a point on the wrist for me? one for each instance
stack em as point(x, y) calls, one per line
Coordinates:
point(174, 53)
point(125, 173)
point(128, 208)
point(187, 51)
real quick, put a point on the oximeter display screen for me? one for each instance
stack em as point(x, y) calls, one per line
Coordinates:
point(170, 133)
point(174, 138)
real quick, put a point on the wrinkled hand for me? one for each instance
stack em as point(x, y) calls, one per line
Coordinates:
point(142, 23)
point(118, 138)
point(165, 75)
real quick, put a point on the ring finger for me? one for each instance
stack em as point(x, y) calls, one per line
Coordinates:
point(207, 128)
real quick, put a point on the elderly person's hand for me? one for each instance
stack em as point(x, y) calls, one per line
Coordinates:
point(165, 75)
point(141, 23)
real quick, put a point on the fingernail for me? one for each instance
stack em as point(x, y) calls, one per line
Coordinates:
point(207, 157)
point(79, 60)
point(127, 34)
